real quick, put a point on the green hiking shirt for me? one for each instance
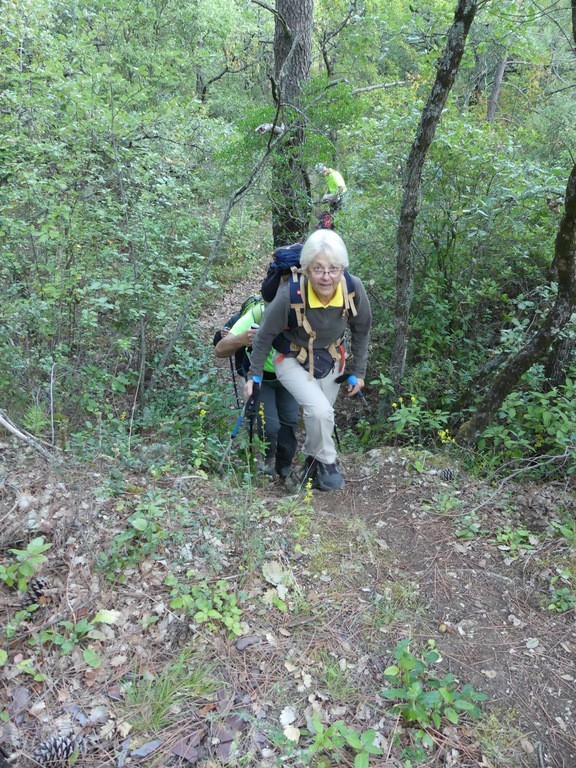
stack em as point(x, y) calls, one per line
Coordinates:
point(335, 181)
point(253, 317)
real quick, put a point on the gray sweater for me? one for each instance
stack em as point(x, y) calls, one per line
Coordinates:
point(329, 324)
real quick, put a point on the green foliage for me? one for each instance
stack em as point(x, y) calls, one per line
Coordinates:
point(66, 635)
point(412, 421)
point(28, 561)
point(208, 603)
point(335, 741)
point(421, 697)
point(196, 424)
point(515, 541)
point(563, 599)
point(127, 129)
point(563, 584)
point(151, 699)
point(142, 538)
point(535, 428)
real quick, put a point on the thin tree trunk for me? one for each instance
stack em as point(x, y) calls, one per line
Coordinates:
point(558, 363)
point(542, 339)
point(496, 87)
point(292, 62)
point(446, 72)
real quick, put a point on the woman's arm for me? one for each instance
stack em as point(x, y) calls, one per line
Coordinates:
point(231, 343)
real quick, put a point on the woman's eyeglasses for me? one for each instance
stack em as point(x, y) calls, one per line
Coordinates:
point(332, 271)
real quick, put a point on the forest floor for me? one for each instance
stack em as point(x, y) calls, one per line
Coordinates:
point(328, 585)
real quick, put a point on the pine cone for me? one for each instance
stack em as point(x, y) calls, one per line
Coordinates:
point(56, 751)
point(36, 589)
point(447, 474)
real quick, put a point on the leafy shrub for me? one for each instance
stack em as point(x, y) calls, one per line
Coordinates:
point(422, 698)
point(535, 427)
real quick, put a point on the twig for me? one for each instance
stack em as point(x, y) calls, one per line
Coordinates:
point(23, 435)
point(274, 12)
point(379, 85)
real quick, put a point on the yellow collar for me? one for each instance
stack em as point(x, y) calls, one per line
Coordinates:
point(315, 303)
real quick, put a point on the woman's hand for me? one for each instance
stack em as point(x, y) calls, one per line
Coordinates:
point(248, 389)
point(248, 335)
point(354, 389)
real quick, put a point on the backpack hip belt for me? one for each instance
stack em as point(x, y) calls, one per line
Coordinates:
point(306, 354)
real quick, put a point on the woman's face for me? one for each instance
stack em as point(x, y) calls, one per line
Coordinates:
point(324, 277)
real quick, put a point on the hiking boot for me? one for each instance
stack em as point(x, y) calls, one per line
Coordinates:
point(309, 471)
point(329, 477)
point(266, 468)
point(299, 478)
point(283, 471)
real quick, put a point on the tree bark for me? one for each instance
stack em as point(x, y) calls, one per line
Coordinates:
point(445, 75)
point(292, 62)
point(546, 335)
point(496, 87)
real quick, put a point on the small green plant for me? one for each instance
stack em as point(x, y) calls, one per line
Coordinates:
point(27, 562)
point(469, 526)
point(300, 509)
point(447, 502)
point(398, 601)
point(567, 531)
point(26, 667)
point(563, 600)
point(142, 538)
point(66, 634)
point(411, 420)
point(334, 741)
point(208, 603)
point(515, 541)
point(421, 697)
point(335, 678)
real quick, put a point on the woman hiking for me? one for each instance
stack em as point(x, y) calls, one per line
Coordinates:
point(310, 359)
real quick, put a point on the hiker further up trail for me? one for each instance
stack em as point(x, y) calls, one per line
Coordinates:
point(277, 410)
point(336, 186)
point(310, 357)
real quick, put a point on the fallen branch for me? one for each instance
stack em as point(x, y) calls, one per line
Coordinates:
point(21, 434)
point(379, 85)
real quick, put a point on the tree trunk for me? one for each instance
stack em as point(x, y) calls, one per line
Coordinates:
point(542, 339)
point(558, 363)
point(446, 72)
point(292, 61)
point(496, 86)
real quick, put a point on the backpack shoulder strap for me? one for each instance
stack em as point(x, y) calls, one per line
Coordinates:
point(297, 296)
point(348, 292)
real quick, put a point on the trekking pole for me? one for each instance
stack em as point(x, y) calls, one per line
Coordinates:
point(336, 437)
point(248, 409)
point(238, 404)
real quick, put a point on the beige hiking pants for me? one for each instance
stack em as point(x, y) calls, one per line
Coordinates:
point(316, 396)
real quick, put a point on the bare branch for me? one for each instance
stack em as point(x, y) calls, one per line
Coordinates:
point(379, 85)
point(274, 12)
point(21, 434)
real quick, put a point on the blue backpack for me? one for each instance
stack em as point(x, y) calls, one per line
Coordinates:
point(286, 258)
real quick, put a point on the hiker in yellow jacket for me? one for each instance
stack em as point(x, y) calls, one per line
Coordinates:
point(336, 186)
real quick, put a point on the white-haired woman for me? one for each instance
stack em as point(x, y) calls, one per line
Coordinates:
point(310, 358)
